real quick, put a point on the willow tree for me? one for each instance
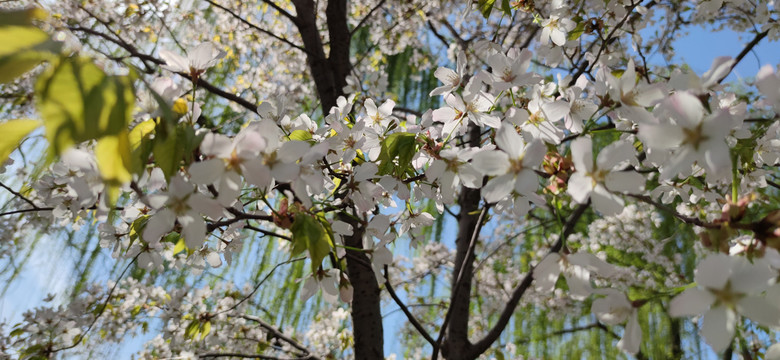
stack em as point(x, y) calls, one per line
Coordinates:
point(516, 178)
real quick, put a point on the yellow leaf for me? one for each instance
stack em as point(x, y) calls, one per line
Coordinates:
point(113, 158)
point(205, 329)
point(140, 131)
point(13, 132)
point(180, 246)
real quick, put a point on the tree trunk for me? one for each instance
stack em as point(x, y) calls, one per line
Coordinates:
point(457, 344)
point(330, 74)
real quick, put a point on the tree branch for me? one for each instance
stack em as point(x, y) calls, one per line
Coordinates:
point(368, 16)
point(482, 345)
point(683, 218)
point(253, 26)
point(278, 334)
point(284, 12)
point(748, 47)
point(406, 311)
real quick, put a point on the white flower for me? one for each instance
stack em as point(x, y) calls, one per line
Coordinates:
point(768, 83)
point(574, 110)
point(183, 204)
point(451, 79)
point(510, 70)
point(773, 352)
point(325, 280)
point(513, 167)
point(228, 160)
point(727, 286)
point(379, 117)
point(576, 269)
point(197, 61)
point(598, 179)
point(452, 169)
point(473, 106)
point(615, 309)
point(692, 137)
point(556, 29)
point(634, 94)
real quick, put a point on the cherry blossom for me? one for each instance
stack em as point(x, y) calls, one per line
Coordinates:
point(692, 136)
point(726, 288)
point(599, 179)
point(512, 166)
point(197, 61)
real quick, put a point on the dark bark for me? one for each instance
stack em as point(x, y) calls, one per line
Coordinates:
point(320, 67)
point(366, 311)
point(330, 74)
point(456, 344)
point(339, 35)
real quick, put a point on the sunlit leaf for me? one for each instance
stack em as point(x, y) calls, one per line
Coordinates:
point(13, 132)
point(398, 145)
point(308, 234)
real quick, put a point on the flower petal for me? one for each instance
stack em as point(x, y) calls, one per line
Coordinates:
point(718, 326)
point(193, 229)
point(498, 188)
point(691, 302)
point(582, 154)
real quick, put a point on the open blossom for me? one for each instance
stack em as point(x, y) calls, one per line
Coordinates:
point(572, 107)
point(452, 79)
point(198, 60)
point(511, 70)
point(598, 179)
point(615, 309)
point(474, 105)
point(452, 169)
point(184, 204)
point(634, 94)
point(556, 28)
point(513, 165)
point(768, 83)
point(576, 268)
point(227, 161)
point(692, 136)
point(727, 287)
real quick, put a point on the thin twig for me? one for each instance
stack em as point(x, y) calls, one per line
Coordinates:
point(102, 308)
point(683, 218)
point(368, 16)
point(278, 334)
point(19, 195)
point(459, 279)
point(405, 309)
point(483, 344)
point(258, 28)
point(266, 277)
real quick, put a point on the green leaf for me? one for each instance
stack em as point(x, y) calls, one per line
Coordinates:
point(506, 7)
point(179, 144)
point(79, 102)
point(23, 46)
point(300, 135)
point(21, 17)
point(13, 132)
point(308, 234)
point(205, 329)
point(398, 145)
point(113, 158)
point(192, 329)
point(577, 32)
point(485, 7)
point(180, 246)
